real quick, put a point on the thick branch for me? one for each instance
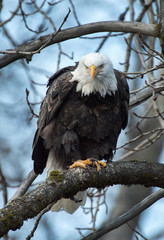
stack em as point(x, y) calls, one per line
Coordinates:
point(27, 50)
point(70, 182)
point(141, 97)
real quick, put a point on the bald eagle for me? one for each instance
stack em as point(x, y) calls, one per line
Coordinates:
point(81, 117)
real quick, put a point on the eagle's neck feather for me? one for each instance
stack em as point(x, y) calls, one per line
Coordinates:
point(102, 84)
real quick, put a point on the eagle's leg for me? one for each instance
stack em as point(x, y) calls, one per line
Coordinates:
point(88, 161)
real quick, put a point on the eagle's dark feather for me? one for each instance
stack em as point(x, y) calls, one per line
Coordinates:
point(76, 126)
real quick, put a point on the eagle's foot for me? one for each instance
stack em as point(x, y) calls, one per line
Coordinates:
point(81, 163)
point(98, 164)
point(88, 161)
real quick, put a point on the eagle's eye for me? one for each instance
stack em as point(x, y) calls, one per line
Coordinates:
point(101, 66)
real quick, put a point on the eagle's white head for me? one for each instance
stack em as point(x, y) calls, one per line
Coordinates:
point(95, 74)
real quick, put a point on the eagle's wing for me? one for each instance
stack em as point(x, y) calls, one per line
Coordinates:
point(59, 88)
point(123, 90)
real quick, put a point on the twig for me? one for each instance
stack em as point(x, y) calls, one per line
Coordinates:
point(26, 25)
point(150, 117)
point(144, 87)
point(28, 103)
point(105, 38)
point(143, 145)
point(129, 45)
point(147, 110)
point(133, 212)
point(93, 210)
point(74, 12)
point(134, 230)
point(141, 74)
point(140, 136)
point(38, 220)
point(151, 49)
point(13, 14)
point(51, 37)
point(130, 38)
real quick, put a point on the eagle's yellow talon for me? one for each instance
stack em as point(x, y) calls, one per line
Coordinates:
point(97, 166)
point(102, 163)
point(98, 163)
point(83, 163)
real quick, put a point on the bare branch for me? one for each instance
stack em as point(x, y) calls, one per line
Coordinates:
point(13, 14)
point(105, 38)
point(162, 25)
point(25, 185)
point(142, 145)
point(136, 231)
point(38, 220)
point(161, 65)
point(37, 45)
point(29, 104)
point(130, 38)
point(137, 99)
point(152, 49)
point(124, 218)
point(74, 12)
point(26, 24)
point(158, 130)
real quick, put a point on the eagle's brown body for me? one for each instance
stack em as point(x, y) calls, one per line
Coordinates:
point(78, 127)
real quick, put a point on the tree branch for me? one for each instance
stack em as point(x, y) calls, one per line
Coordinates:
point(124, 218)
point(162, 25)
point(69, 182)
point(138, 98)
point(25, 185)
point(27, 50)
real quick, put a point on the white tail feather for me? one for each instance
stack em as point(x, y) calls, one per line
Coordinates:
point(68, 205)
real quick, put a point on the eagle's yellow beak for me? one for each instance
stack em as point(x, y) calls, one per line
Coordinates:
point(93, 71)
